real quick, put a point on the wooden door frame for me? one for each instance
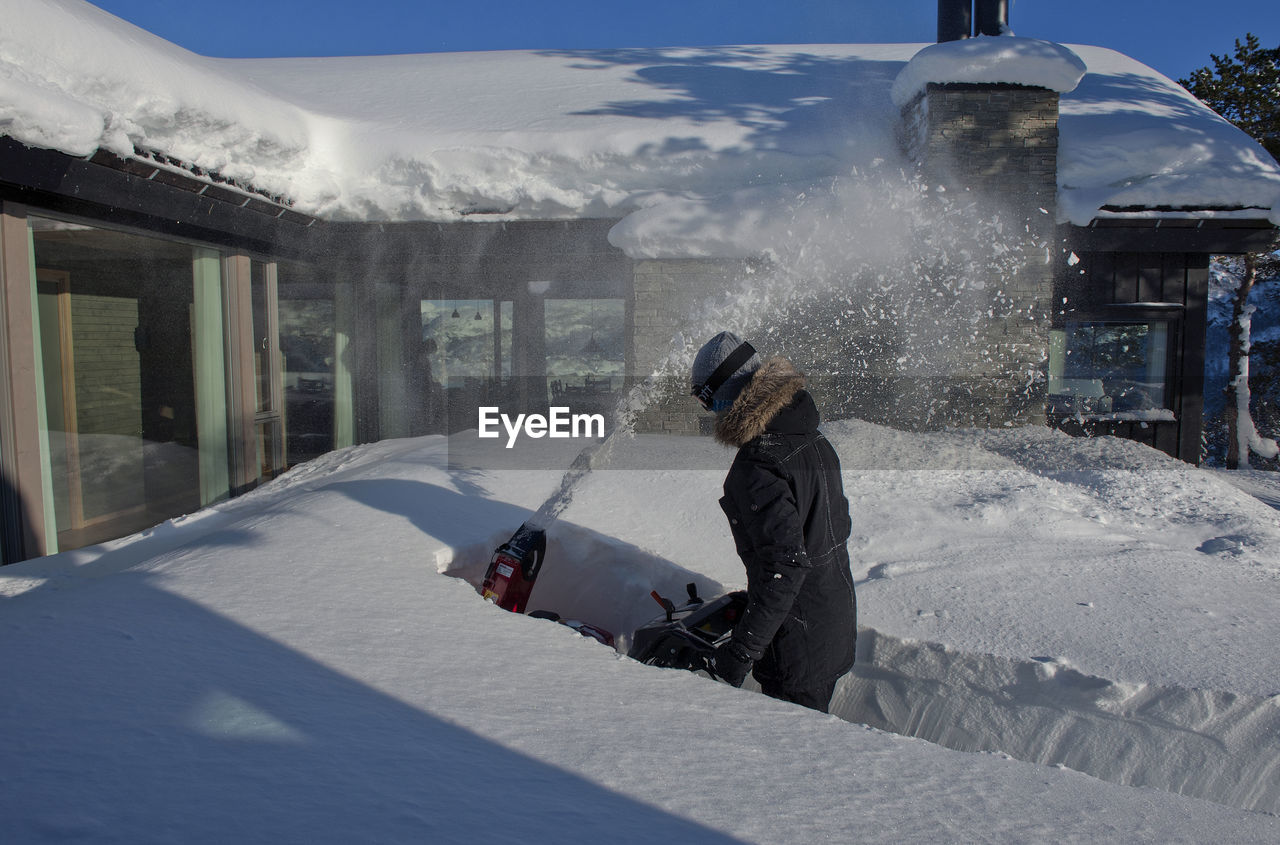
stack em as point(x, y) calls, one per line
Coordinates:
point(61, 279)
point(25, 532)
point(246, 422)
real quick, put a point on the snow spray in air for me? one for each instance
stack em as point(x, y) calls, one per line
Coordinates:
point(877, 286)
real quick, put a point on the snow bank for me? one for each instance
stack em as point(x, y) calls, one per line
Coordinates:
point(290, 665)
point(992, 59)
point(1087, 603)
point(1206, 743)
point(561, 134)
point(1209, 743)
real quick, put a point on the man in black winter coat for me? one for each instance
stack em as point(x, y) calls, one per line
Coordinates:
point(785, 501)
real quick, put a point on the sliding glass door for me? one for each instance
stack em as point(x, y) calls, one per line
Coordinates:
point(117, 316)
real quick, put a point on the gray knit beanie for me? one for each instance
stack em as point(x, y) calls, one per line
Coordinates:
point(712, 354)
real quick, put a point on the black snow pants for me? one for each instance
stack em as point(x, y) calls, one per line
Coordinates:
point(815, 698)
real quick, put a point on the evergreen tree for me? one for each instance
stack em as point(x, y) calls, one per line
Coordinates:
point(1244, 89)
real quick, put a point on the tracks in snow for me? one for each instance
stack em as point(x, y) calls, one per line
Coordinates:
point(1219, 746)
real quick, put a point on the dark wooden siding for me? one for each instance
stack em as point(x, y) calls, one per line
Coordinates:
point(1170, 287)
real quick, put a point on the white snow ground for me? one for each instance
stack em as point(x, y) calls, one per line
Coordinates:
point(296, 665)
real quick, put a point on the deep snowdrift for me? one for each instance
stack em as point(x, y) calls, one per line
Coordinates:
point(292, 665)
point(1091, 603)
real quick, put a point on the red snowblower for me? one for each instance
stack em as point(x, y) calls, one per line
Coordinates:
point(515, 566)
point(684, 637)
point(512, 572)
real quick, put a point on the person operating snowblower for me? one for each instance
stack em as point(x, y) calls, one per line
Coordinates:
point(789, 517)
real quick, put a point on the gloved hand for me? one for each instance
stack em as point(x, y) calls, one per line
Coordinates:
point(732, 663)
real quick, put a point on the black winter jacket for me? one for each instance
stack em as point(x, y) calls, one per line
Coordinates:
point(790, 521)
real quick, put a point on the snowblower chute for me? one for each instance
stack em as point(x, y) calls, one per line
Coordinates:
point(515, 565)
point(512, 572)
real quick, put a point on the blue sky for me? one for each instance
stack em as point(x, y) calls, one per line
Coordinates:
point(1173, 36)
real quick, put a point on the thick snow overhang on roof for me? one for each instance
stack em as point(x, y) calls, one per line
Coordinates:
point(1003, 59)
point(707, 145)
point(76, 79)
point(1131, 138)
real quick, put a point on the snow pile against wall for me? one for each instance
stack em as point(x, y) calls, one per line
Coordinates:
point(560, 134)
point(986, 59)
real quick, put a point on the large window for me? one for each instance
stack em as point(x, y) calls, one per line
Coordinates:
point(307, 341)
point(461, 360)
point(131, 341)
point(264, 317)
point(474, 352)
point(1110, 370)
point(586, 362)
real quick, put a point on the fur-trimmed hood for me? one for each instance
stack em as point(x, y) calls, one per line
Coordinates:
point(771, 389)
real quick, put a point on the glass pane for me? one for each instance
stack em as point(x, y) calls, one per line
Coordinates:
point(115, 320)
point(266, 436)
point(452, 371)
point(505, 312)
point(585, 353)
point(258, 295)
point(1110, 369)
point(307, 343)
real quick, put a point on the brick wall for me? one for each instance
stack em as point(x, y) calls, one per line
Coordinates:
point(998, 139)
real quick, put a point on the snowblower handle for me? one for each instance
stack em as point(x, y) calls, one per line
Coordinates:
point(665, 602)
point(709, 666)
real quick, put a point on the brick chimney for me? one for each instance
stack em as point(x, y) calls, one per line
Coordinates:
point(997, 142)
point(999, 139)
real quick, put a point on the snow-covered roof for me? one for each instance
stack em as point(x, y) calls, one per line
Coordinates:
point(580, 133)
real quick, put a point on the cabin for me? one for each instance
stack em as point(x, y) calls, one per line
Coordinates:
point(212, 270)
